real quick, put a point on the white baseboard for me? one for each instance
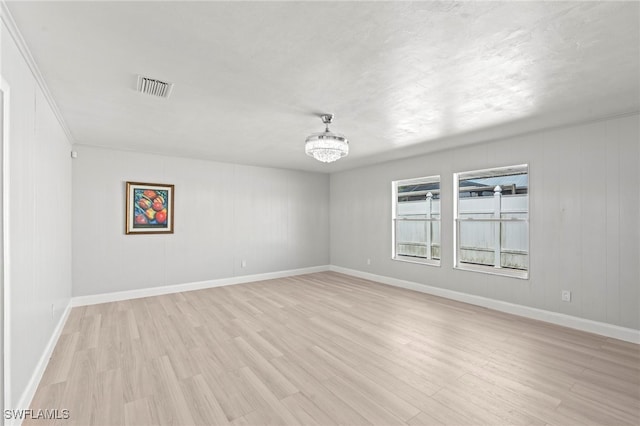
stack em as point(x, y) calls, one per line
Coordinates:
point(178, 288)
point(601, 328)
point(27, 396)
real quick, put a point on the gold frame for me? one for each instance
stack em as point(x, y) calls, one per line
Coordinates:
point(133, 228)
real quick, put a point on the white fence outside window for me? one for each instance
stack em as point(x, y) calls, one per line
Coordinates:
point(483, 221)
point(418, 229)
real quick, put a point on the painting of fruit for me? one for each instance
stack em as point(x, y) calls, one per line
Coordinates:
point(149, 208)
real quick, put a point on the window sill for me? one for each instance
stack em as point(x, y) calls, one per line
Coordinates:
point(409, 259)
point(505, 272)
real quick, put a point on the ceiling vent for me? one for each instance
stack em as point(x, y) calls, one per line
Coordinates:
point(154, 87)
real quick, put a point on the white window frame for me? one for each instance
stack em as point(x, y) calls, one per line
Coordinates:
point(395, 219)
point(496, 269)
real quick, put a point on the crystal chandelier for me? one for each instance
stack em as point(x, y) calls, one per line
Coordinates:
point(326, 146)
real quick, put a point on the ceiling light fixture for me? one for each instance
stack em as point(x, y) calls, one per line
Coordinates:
point(326, 146)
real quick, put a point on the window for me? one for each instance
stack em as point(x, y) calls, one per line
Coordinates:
point(492, 221)
point(416, 220)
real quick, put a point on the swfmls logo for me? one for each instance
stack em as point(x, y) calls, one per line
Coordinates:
point(46, 414)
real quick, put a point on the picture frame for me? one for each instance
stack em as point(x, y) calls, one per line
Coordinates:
point(149, 208)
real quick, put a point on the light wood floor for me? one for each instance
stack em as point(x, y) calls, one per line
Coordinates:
point(331, 349)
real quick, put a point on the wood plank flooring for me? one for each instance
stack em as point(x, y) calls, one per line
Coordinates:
point(330, 349)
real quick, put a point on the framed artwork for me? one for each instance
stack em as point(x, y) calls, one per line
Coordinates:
point(149, 208)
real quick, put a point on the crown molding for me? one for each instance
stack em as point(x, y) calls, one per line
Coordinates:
point(8, 21)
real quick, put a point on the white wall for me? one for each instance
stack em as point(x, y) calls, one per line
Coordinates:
point(274, 219)
point(590, 248)
point(40, 219)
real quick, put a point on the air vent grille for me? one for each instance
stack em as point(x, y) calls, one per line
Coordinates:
point(152, 86)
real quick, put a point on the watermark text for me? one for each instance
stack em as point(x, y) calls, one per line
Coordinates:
point(40, 414)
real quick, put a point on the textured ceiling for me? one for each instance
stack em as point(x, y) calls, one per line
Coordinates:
point(402, 78)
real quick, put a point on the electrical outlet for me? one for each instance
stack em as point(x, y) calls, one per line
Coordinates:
point(243, 263)
point(368, 261)
point(566, 296)
point(52, 311)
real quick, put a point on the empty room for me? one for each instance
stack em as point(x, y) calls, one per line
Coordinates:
point(320, 213)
